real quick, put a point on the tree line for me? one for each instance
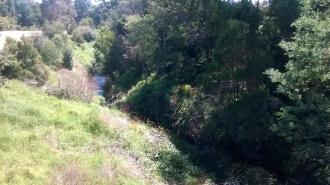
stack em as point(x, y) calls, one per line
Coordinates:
point(248, 83)
point(245, 82)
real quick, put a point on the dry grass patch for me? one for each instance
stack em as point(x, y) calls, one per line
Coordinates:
point(70, 174)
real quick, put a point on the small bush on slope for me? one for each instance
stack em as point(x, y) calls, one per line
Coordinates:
point(21, 60)
point(45, 140)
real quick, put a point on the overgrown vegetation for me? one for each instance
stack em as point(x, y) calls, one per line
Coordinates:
point(245, 83)
point(201, 69)
point(21, 60)
point(50, 141)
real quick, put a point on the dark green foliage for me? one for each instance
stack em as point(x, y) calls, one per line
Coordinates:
point(89, 36)
point(82, 34)
point(278, 27)
point(52, 29)
point(244, 129)
point(82, 7)
point(173, 167)
point(51, 54)
point(244, 174)
point(304, 121)
point(22, 61)
point(67, 59)
point(78, 36)
point(192, 110)
point(103, 45)
point(201, 69)
point(156, 105)
point(27, 13)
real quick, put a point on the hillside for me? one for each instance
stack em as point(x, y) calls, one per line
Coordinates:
point(46, 140)
point(189, 92)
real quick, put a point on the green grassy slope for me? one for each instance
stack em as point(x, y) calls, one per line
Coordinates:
point(45, 140)
point(83, 53)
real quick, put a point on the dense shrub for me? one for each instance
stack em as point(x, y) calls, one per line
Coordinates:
point(40, 73)
point(9, 67)
point(83, 33)
point(243, 129)
point(60, 41)
point(51, 54)
point(52, 29)
point(192, 110)
point(21, 60)
point(67, 59)
point(7, 23)
point(39, 42)
point(89, 36)
point(77, 36)
point(71, 27)
point(128, 79)
point(151, 99)
point(86, 22)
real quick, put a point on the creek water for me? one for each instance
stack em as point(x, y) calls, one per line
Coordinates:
point(100, 83)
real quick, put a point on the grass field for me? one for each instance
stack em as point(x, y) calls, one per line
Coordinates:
point(46, 140)
point(83, 53)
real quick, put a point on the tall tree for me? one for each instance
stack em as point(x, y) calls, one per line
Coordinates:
point(28, 13)
point(58, 10)
point(304, 121)
point(82, 8)
point(278, 26)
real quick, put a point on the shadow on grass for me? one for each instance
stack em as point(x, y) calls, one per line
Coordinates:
point(189, 163)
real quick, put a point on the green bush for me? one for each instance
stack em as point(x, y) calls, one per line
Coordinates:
point(192, 110)
point(9, 67)
point(67, 59)
point(89, 36)
point(40, 73)
point(7, 23)
point(60, 41)
point(39, 42)
point(151, 99)
point(52, 29)
point(71, 27)
point(82, 34)
point(86, 22)
point(243, 129)
point(27, 54)
point(21, 60)
point(51, 54)
point(77, 36)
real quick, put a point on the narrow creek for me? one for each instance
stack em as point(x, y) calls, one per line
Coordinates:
point(100, 83)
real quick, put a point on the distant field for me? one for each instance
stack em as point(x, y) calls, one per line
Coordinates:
point(16, 35)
